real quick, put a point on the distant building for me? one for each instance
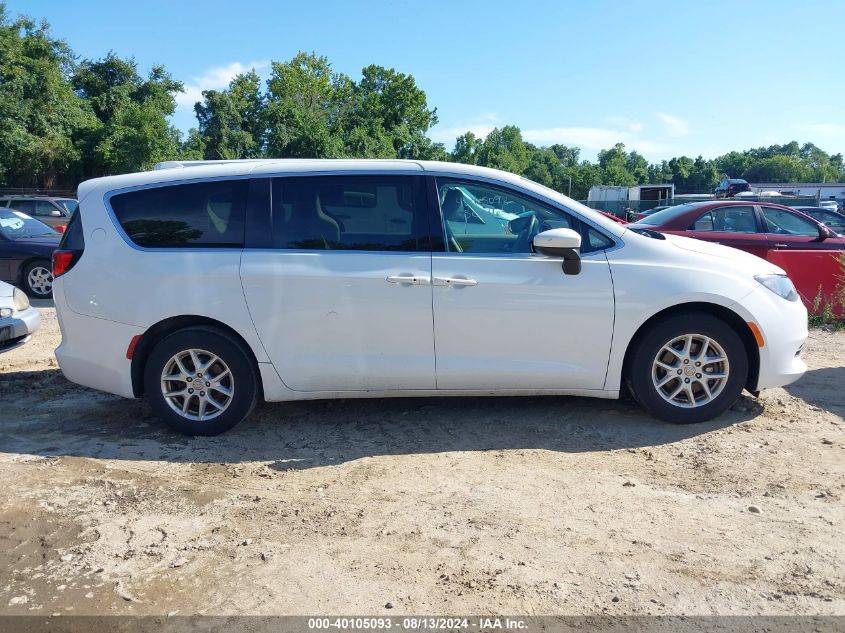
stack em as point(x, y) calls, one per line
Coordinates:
point(819, 190)
point(610, 193)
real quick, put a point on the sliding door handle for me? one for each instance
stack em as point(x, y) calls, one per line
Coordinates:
point(414, 280)
point(454, 281)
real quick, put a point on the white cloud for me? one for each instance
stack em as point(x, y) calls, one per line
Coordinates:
point(632, 126)
point(215, 78)
point(592, 139)
point(675, 126)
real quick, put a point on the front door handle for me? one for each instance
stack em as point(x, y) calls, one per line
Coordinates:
point(454, 281)
point(414, 280)
point(781, 245)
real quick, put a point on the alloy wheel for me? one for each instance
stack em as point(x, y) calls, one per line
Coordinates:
point(197, 384)
point(690, 370)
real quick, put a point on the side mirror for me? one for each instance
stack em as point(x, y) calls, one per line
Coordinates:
point(561, 243)
point(825, 232)
point(56, 213)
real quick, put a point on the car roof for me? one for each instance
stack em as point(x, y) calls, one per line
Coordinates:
point(174, 171)
point(712, 204)
point(186, 171)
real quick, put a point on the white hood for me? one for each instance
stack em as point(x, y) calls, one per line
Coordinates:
point(755, 265)
point(6, 290)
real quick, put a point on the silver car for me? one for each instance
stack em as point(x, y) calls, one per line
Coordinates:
point(18, 319)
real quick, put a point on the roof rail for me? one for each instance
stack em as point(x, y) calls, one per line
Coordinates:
point(179, 164)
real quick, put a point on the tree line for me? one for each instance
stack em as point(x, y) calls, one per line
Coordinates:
point(63, 120)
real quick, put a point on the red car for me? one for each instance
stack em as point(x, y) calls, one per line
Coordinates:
point(804, 247)
point(610, 216)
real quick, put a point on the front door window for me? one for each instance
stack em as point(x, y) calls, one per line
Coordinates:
point(481, 218)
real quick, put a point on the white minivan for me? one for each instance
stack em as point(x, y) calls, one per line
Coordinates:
point(207, 286)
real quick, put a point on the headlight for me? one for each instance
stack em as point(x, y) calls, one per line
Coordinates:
point(781, 285)
point(5, 312)
point(20, 300)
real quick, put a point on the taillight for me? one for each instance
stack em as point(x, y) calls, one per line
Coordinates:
point(60, 228)
point(63, 261)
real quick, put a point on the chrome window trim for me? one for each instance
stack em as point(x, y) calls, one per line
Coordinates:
point(618, 242)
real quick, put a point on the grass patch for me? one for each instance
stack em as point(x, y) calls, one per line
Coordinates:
point(824, 312)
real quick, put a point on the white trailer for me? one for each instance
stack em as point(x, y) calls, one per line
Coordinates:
point(612, 193)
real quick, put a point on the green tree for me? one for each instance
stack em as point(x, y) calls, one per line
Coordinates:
point(467, 148)
point(388, 106)
point(193, 147)
point(306, 101)
point(546, 168)
point(232, 122)
point(614, 164)
point(504, 149)
point(42, 121)
point(133, 132)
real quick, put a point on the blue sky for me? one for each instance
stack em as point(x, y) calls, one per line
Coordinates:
point(665, 78)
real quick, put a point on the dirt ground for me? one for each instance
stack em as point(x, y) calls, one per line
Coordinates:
point(426, 506)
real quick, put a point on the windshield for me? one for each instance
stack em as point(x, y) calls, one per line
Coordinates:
point(15, 225)
point(667, 214)
point(68, 204)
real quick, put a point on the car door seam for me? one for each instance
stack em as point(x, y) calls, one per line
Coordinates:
point(613, 323)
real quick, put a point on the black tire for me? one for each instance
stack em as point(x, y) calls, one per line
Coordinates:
point(244, 377)
point(642, 362)
point(38, 269)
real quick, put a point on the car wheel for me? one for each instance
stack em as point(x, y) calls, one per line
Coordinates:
point(38, 279)
point(200, 381)
point(688, 368)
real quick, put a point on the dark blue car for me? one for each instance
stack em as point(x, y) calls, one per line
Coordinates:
point(26, 250)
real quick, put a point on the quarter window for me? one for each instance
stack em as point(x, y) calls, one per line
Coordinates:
point(203, 215)
point(370, 213)
point(737, 219)
point(783, 222)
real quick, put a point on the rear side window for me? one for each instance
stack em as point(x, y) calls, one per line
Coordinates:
point(202, 215)
point(740, 219)
point(24, 206)
point(370, 213)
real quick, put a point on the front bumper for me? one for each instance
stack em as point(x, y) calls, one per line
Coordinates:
point(783, 325)
point(23, 324)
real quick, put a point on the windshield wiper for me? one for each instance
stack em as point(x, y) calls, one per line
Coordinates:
point(647, 232)
point(39, 235)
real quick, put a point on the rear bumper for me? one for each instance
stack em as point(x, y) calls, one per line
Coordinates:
point(93, 351)
point(783, 325)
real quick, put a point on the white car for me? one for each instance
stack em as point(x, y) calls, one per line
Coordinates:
point(830, 205)
point(207, 286)
point(18, 319)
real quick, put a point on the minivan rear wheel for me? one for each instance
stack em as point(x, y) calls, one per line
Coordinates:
point(200, 382)
point(688, 368)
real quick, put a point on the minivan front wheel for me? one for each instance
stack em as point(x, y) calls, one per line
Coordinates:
point(200, 382)
point(688, 368)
